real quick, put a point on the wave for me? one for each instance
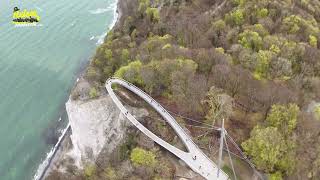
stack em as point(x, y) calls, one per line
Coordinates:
point(99, 11)
point(114, 21)
point(38, 8)
point(45, 164)
point(103, 10)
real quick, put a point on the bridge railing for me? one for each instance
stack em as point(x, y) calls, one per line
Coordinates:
point(154, 101)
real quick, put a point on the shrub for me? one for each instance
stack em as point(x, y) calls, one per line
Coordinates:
point(313, 41)
point(89, 171)
point(110, 174)
point(239, 2)
point(262, 13)
point(153, 14)
point(236, 17)
point(219, 25)
point(91, 73)
point(126, 147)
point(220, 50)
point(141, 157)
point(167, 46)
point(291, 23)
point(143, 4)
point(125, 55)
point(108, 54)
point(93, 92)
point(251, 39)
point(260, 29)
point(275, 176)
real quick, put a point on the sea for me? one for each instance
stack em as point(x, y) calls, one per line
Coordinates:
point(38, 67)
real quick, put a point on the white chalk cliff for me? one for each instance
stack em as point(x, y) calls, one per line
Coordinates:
point(96, 124)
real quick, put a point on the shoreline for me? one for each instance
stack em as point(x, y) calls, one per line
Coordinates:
point(53, 155)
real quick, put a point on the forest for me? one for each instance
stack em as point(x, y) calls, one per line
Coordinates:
point(254, 63)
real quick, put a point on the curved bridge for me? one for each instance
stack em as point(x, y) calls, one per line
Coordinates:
point(194, 158)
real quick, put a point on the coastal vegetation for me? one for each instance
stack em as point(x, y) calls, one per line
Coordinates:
point(253, 63)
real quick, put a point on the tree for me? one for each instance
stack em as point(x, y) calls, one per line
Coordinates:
point(266, 147)
point(143, 5)
point(236, 17)
point(291, 23)
point(262, 13)
point(219, 105)
point(141, 157)
point(280, 68)
point(283, 117)
point(182, 87)
point(125, 55)
point(263, 63)
point(108, 54)
point(153, 14)
point(131, 72)
point(313, 41)
point(251, 40)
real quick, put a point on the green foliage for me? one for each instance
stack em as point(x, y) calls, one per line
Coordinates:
point(125, 55)
point(291, 23)
point(263, 64)
point(313, 41)
point(153, 14)
point(127, 26)
point(275, 176)
point(272, 148)
point(274, 48)
point(93, 92)
point(295, 23)
point(143, 5)
point(220, 105)
point(89, 171)
point(236, 17)
point(91, 73)
point(126, 148)
point(155, 42)
point(262, 13)
point(266, 147)
point(220, 50)
point(141, 157)
point(251, 40)
point(110, 174)
point(131, 72)
point(259, 29)
point(167, 46)
point(134, 34)
point(219, 25)
point(283, 117)
point(228, 171)
point(108, 54)
point(317, 112)
point(239, 2)
point(157, 75)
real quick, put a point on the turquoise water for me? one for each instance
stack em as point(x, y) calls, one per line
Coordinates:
point(38, 66)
